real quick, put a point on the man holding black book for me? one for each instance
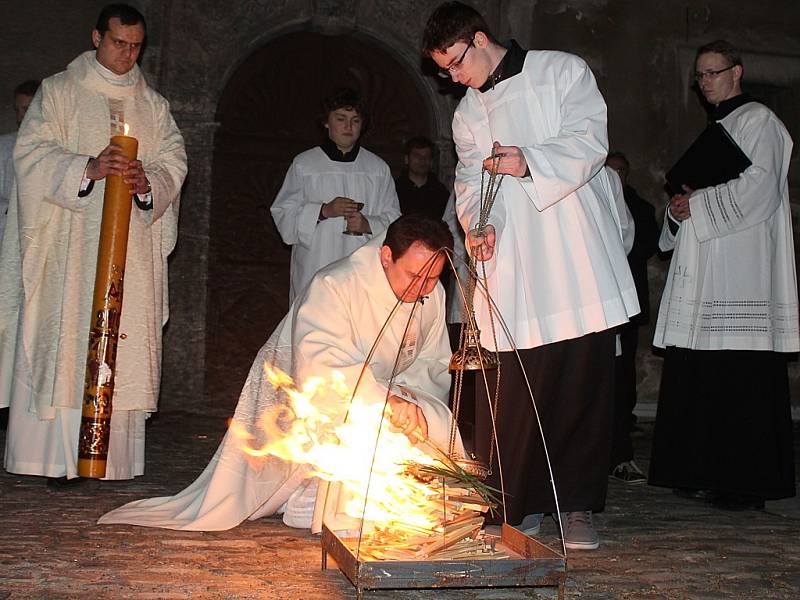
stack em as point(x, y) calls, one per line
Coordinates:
point(729, 312)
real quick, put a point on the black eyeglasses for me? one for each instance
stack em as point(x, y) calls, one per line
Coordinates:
point(454, 67)
point(698, 77)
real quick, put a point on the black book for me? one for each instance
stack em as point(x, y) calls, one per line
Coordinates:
point(713, 158)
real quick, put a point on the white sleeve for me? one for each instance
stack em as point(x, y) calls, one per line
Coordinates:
point(166, 170)
point(295, 217)
point(623, 214)
point(568, 160)
point(46, 171)
point(325, 340)
point(387, 201)
point(756, 194)
point(468, 178)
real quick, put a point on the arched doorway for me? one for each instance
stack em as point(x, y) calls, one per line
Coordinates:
point(268, 113)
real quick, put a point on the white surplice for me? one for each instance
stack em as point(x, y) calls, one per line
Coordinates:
point(623, 213)
point(457, 289)
point(732, 283)
point(559, 270)
point(314, 179)
point(47, 268)
point(332, 326)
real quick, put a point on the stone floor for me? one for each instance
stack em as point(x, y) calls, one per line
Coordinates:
point(654, 544)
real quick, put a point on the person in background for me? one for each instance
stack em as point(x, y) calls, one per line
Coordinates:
point(335, 187)
point(645, 244)
point(418, 189)
point(729, 313)
point(23, 96)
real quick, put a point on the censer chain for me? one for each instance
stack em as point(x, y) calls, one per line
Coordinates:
point(488, 196)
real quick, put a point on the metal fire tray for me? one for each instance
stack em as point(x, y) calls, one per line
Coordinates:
point(531, 564)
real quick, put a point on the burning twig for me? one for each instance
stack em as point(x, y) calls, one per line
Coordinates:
point(421, 505)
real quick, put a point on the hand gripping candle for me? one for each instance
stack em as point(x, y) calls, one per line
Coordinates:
point(106, 312)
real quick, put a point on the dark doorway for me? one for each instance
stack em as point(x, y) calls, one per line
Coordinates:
point(268, 113)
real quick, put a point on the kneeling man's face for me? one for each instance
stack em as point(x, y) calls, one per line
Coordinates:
point(414, 274)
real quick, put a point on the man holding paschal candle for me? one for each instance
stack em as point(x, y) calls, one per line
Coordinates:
point(47, 270)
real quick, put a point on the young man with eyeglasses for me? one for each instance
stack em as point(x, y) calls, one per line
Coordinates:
point(554, 259)
point(335, 187)
point(729, 313)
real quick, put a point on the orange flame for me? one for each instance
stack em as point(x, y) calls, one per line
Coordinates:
point(308, 429)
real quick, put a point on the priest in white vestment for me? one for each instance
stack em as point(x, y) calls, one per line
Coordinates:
point(50, 252)
point(729, 313)
point(323, 189)
point(553, 257)
point(332, 326)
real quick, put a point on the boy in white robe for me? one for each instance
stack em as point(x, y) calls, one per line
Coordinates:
point(49, 254)
point(729, 313)
point(324, 190)
point(331, 326)
point(553, 256)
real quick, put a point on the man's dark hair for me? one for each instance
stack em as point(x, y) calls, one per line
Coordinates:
point(620, 156)
point(346, 98)
point(452, 22)
point(723, 47)
point(419, 141)
point(127, 15)
point(415, 227)
point(27, 88)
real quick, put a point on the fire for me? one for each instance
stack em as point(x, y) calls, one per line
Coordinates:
point(125, 128)
point(310, 429)
point(413, 500)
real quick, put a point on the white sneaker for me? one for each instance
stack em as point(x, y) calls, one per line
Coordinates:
point(530, 524)
point(579, 531)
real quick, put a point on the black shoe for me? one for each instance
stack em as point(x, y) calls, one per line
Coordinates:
point(628, 472)
point(60, 483)
point(692, 494)
point(738, 502)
